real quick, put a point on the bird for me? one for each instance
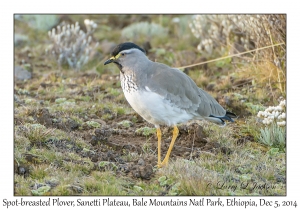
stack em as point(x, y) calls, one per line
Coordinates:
point(163, 95)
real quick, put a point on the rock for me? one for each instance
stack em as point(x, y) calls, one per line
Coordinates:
point(101, 135)
point(210, 86)
point(43, 117)
point(183, 129)
point(75, 188)
point(22, 74)
point(280, 178)
point(16, 99)
point(211, 146)
point(141, 162)
point(72, 124)
point(66, 124)
point(226, 151)
point(94, 158)
point(52, 183)
point(20, 39)
point(201, 136)
point(244, 139)
point(107, 46)
point(124, 168)
point(146, 171)
point(110, 156)
point(22, 170)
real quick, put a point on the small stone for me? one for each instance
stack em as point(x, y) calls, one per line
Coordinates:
point(44, 117)
point(186, 154)
point(124, 168)
point(52, 183)
point(141, 162)
point(21, 170)
point(22, 74)
point(210, 86)
point(226, 150)
point(20, 39)
point(16, 99)
point(280, 178)
point(146, 171)
point(76, 189)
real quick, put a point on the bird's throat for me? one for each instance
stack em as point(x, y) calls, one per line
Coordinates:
point(119, 66)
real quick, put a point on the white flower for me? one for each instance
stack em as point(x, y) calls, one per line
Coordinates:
point(283, 123)
point(267, 121)
point(282, 103)
point(86, 21)
point(282, 115)
point(269, 109)
point(266, 114)
point(275, 114)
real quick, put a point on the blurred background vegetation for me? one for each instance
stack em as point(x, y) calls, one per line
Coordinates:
point(82, 42)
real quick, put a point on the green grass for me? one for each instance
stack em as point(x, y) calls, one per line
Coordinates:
point(145, 131)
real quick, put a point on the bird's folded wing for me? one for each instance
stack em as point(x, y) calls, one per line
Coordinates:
point(181, 91)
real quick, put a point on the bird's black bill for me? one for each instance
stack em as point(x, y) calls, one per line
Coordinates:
point(108, 61)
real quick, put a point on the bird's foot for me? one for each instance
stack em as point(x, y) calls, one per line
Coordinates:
point(162, 164)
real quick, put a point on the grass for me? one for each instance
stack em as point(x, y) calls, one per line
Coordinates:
point(273, 136)
point(60, 159)
point(145, 131)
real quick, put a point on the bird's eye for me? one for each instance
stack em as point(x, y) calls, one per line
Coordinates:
point(122, 54)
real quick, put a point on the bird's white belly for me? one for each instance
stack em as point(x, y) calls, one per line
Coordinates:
point(155, 109)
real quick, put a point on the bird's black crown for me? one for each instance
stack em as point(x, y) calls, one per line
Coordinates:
point(125, 46)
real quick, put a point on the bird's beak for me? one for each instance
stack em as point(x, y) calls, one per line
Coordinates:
point(112, 59)
point(109, 60)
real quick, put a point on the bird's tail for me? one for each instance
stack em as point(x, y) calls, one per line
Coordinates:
point(220, 120)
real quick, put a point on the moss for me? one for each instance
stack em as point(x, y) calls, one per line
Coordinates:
point(125, 123)
point(93, 124)
point(145, 131)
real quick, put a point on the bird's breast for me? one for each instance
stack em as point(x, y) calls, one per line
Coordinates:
point(153, 107)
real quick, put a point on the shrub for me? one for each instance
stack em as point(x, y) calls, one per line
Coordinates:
point(72, 46)
point(224, 34)
point(242, 32)
point(146, 30)
point(274, 119)
point(39, 22)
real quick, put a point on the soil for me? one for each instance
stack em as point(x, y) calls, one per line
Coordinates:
point(110, 142)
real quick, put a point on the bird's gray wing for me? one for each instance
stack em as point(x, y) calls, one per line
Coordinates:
point(179, 89)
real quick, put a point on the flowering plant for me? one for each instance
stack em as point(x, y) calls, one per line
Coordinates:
point(274, 119)
point(72, 46)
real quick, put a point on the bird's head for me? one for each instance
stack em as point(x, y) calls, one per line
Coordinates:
point(126, 55)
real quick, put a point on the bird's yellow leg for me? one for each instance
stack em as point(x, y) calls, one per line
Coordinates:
point(158, 133)
point(175, 134)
